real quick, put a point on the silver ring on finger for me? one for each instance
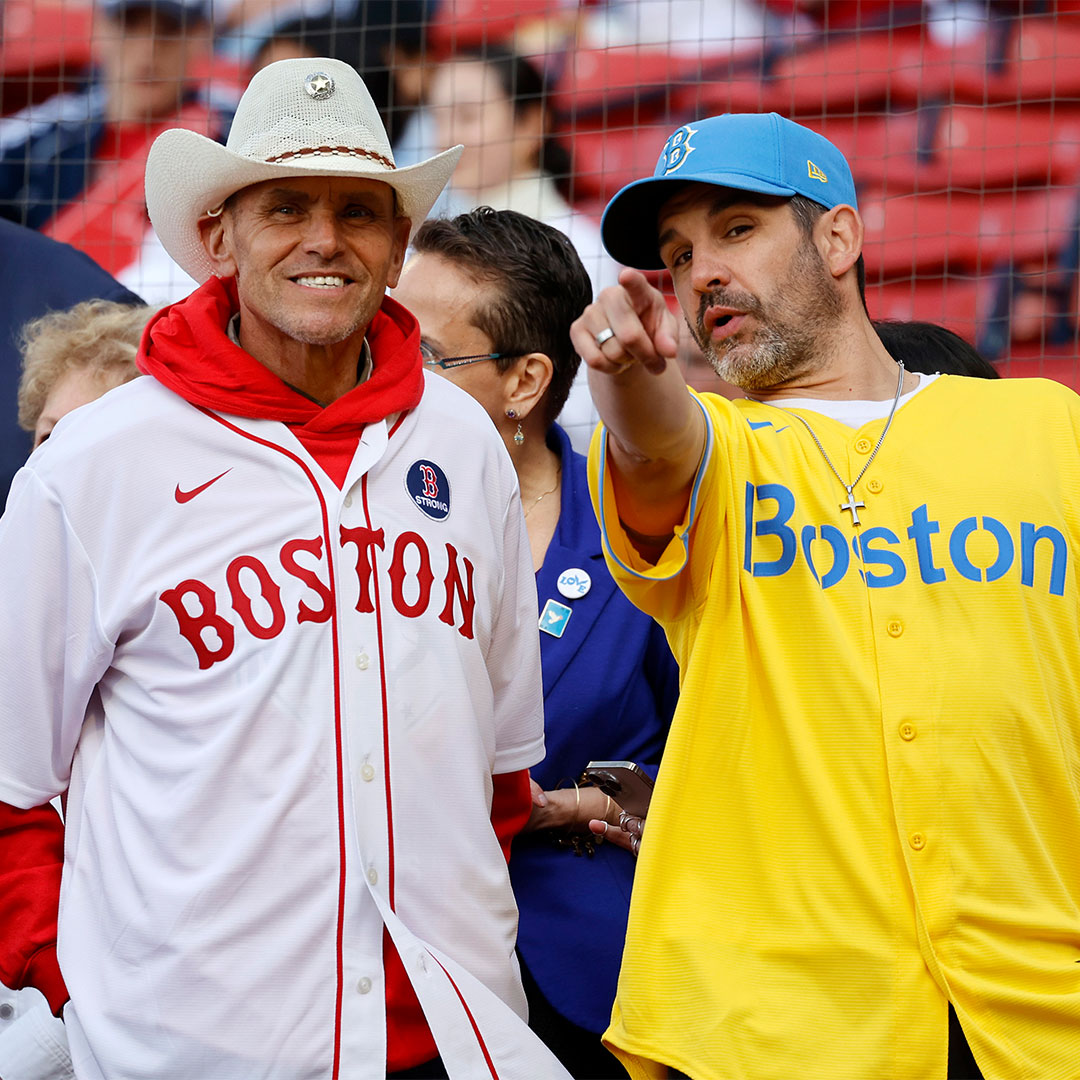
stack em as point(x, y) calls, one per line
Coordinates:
point(635, 843)
point(605, 335)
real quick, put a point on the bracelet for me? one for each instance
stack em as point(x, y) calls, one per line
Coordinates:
point(577, 842)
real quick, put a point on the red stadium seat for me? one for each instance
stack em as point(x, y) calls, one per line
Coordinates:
point(471, 24)
point(43, 47)
point(1040, 63)
point(627, 85)
point(712, 97)
point(881, 149)
point(960, 147)
point(841, 14)
point(840, 73)
point(961, 304)
point(630, 83)
point(965, 232)
point(1002, 146)
point(606, 159)
point(1058, 362)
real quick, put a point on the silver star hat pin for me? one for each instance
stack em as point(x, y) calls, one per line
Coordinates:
point(319, 85)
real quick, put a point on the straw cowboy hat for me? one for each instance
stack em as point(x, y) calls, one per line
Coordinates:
point(306, 117)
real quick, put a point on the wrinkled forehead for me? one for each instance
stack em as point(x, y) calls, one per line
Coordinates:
point(697, 203)
point(313, 188)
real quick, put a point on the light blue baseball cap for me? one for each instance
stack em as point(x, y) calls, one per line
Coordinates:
point(762, 152)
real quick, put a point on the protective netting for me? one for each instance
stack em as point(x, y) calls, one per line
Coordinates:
point(961, 121)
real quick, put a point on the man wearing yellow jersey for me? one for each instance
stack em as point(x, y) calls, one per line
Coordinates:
point(867, 819)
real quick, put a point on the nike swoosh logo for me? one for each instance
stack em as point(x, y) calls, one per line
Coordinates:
point(757, 425)
point(187, 496)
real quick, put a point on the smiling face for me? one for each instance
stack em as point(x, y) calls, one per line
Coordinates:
point(313, 257)
point(755, 290)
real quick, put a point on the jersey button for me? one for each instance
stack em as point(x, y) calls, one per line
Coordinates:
point(367, 771)
point(363, 661)
point(895, 628)
point(364, 985)
point(875, 486)
point(908, 732)
point(348, 501)
point(864, 445)
point(373, 876)
point(917, 841)
point(7, 1011)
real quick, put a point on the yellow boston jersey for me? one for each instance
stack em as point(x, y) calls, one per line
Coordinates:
point(869, 804)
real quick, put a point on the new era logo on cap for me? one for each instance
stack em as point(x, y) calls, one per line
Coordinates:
point(815, 173)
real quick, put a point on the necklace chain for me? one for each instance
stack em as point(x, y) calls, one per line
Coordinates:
point(851, 504)
point(532, 505)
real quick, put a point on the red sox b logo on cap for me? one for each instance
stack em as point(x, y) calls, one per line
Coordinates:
point(677, 149)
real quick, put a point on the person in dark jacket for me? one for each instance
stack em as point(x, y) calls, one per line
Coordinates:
point(37, 275)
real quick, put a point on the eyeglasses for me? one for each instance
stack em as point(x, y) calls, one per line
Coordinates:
point(432, 359)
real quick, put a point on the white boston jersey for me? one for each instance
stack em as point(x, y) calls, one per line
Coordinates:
point(278, 706)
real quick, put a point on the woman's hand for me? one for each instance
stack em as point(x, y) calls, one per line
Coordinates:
point(571, 809)
point(625, 832)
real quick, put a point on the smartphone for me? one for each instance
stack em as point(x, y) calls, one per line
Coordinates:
point(628, 784)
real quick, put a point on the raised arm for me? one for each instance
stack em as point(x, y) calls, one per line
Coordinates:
point(656, 435)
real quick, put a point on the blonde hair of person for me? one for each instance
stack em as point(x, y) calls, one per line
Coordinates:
point(98, 337)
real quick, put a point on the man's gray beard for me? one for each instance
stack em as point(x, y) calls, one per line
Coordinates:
point(768, 361)
point(778, 351)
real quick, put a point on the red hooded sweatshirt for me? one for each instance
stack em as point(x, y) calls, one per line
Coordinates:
point(186, 347)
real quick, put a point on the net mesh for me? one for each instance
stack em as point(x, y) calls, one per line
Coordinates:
point(961, 121)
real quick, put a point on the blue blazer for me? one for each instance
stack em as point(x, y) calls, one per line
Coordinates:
point(610, 687)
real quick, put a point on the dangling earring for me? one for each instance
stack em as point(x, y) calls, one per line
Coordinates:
point(519, 435)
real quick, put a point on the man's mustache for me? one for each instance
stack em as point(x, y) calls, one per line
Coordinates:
point(729, 298)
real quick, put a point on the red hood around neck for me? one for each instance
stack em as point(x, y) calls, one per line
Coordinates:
point(186, 347)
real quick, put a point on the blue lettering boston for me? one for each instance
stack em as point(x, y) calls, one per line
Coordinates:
point(878, 550)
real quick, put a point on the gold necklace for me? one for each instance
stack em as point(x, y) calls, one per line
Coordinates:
point(851, 505)
point(532, 505)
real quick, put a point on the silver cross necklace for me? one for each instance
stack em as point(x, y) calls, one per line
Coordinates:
point(851, 505)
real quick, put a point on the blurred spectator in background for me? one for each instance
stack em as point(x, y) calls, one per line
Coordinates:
point(493, 103)
point(73, 165)
point(495, 293)
point(383, 39)
point(36, 275)
point(928, 348)
point(71, 358)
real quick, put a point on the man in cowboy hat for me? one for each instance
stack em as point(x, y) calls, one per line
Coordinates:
point(269, 619)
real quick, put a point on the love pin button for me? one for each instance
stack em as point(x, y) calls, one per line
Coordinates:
point(574, 583)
